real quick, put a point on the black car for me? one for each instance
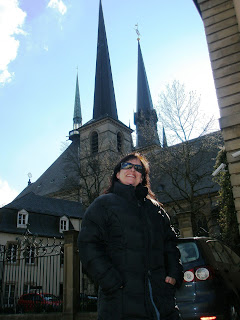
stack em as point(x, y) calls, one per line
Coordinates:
point(211, 287)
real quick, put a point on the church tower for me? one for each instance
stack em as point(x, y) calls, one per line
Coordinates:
point(145, 118)
point(104, 133)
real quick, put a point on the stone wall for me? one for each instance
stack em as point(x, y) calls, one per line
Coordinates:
point(221, 22)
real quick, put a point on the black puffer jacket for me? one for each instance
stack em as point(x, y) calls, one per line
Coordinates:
point(125, 244)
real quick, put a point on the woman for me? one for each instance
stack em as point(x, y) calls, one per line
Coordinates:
point(127, 246)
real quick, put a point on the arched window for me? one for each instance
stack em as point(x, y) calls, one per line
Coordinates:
point(119, 142)
point(94, 142)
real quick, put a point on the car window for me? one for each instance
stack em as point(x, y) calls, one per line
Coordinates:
point(50, 297)
point(219, 252)
point(235, 258)
point(189, 251)
point(37, 297)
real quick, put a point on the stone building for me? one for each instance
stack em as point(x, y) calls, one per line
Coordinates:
point(81, 172)
point(221, 19)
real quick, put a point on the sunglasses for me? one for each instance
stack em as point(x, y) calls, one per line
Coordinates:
point(128, 165)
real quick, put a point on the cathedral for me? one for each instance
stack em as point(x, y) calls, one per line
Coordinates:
point(82, 171)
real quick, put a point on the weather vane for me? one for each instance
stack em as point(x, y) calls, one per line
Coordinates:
point(137, 31)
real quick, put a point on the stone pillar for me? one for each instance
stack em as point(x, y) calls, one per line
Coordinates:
point(221, 22)
point(71, 283)
point(185, 224)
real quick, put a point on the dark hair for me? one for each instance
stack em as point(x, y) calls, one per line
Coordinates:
point(145, 175)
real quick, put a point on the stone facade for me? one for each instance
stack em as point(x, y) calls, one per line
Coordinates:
point(221, 20)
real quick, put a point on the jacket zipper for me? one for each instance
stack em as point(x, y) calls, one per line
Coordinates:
point(157, 314)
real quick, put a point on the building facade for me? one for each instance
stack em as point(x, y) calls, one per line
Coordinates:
point(221, 19)
point(81, 173)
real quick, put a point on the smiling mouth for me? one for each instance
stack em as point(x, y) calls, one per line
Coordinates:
point(131, 176)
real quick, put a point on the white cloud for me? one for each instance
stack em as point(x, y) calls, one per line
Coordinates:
point(7, 194)
point(59, 5)
point(11, 22)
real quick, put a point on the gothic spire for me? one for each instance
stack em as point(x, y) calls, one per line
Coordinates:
point(77, 115)
point(144, 99)
point(164, 144)
point(145, 118)
point(104, 96)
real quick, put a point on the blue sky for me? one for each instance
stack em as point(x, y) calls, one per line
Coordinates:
point(44, 42)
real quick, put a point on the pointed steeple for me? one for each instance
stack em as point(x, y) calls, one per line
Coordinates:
point(77, 114)
point(145, 118)
point(164, 144)
point(104, 96)
point(144, 99)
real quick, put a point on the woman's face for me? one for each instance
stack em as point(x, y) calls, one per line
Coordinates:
point(130, 176)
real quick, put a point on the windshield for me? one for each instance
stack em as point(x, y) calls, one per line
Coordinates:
point(50, 297)
point(189, 251)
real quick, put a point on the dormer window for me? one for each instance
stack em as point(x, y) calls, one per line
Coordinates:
point(22, 219)
point(64, 224)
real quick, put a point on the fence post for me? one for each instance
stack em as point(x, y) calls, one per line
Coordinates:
point(71, 291)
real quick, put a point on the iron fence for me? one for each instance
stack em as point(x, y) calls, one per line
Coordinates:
point(31, 274)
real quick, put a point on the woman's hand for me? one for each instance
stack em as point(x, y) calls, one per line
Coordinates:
point(170, 280)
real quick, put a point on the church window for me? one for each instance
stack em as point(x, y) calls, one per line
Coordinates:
point(119, 142)
point(22, 219)
point(94, 142)
point(64, 224)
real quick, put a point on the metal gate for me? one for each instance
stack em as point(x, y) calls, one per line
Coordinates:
point(31, 274)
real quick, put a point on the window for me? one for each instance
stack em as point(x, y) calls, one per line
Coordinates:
point(62, 256)
point(189, 251)
point(218, 252)
point(9, 294)
point(22, 219)
point(119, 142)
point(94, 142)
point(234, 256)
point(11, 252)
point(64, 224)
point(30, 253)
point(26, 288)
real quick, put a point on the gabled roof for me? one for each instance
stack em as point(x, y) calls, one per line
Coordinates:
point(104, 96)
point(47, 206)
point(55, 177)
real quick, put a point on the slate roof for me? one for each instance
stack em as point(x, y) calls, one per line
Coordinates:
point(144, 99)
point(44, 215)
point(202, 163)
point(104, 96)
point(54, 178)
point(145, 118)
point(47, 206)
